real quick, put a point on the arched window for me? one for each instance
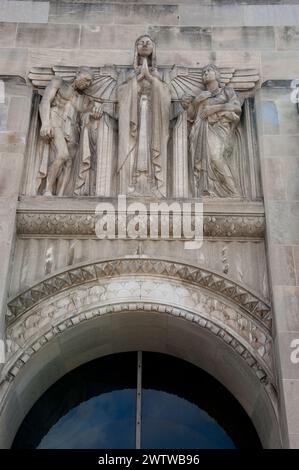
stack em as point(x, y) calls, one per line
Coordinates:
point(137, 399)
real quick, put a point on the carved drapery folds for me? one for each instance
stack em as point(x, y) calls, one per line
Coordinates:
point(143, 130)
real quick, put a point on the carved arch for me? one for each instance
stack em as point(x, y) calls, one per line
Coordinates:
point(238, 316)
point(89, 293)
point(220, 285)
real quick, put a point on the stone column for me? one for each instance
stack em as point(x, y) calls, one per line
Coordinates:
point(278, 128)
point(15, 105)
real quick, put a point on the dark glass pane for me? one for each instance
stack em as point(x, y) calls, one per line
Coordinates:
point(94, 407)
point(105, 421)
point(184, 407)
point(171, 422)
point(91, 407)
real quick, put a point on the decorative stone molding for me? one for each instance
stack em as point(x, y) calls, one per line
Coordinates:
point(62, 224)
point(24, 355)
point(248, 302)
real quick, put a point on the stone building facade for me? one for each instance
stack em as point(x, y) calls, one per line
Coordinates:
point(89, 113)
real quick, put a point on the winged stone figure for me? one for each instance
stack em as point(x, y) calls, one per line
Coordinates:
point(213, 99)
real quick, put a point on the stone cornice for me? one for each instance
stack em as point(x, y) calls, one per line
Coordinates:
point(65, 217)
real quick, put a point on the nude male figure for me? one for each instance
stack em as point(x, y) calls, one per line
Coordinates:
point(60, 110)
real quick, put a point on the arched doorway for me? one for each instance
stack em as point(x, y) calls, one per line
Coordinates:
point(137, 399)
point(151, 305)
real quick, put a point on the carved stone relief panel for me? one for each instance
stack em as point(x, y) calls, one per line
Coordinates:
point(143, 130)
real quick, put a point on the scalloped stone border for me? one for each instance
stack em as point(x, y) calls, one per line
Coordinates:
point(256, 308)
point(19, 361)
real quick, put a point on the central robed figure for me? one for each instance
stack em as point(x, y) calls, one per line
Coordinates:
point(144, 108)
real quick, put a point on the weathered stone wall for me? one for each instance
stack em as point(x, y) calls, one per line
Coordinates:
point(96, 33)
point(14, 112)
point(279, 139)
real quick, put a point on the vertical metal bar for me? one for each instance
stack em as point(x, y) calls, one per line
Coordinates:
point(138, 400)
